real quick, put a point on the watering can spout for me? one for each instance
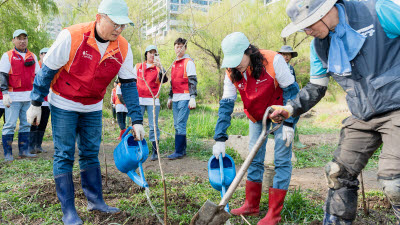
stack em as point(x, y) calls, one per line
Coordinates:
point(138, 179)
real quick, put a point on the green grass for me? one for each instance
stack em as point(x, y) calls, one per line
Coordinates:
point(315, 156)
point(186, 194)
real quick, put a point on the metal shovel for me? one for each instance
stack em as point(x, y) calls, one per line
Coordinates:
point(212, 214)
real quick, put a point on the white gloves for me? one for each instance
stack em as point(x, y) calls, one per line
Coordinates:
point(139, 131)
point(288, 135)
point(218, 148)
point(169, 103)
point(192, 103)
point(34, 112)
point(7, 100)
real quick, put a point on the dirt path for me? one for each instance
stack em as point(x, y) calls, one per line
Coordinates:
point(308, 178)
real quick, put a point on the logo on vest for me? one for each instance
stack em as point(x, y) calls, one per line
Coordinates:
point(241, 86)
point(86, 55)
point(367, 31)
point(16, 58)
point(260, 81)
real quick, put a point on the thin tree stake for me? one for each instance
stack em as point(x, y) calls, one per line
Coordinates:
point(104, 152)
point(245, 219)
point(366, 210)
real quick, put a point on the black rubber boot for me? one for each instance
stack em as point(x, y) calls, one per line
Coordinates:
point(32, 142)
point(154, 155)
point(23, 145)
point(7, 146)
point(38, 143)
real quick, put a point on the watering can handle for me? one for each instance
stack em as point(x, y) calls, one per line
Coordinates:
point(221, 169)
point(126, 132)
point(140, 150)
point(263, 136)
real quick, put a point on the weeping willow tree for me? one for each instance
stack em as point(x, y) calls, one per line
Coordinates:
point(30, 15)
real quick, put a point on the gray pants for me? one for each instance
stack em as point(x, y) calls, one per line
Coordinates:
point(358, 141)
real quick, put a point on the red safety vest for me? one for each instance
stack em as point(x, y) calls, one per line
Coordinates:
point(114, 95)
point(20, 76)
point(258, 94)
point(179, 77)
point(151, 77)
point(86, 75)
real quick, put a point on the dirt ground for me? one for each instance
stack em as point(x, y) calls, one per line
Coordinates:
point(309, 178)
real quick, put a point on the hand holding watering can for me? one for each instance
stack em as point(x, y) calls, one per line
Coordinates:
point(138, 132)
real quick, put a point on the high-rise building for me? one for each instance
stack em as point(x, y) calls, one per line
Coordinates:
point(163, 14)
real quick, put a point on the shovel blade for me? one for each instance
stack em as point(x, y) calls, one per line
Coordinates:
point(210, 214)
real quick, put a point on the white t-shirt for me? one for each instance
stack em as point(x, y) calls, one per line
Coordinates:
point(120, 107)
point(58, 56)
point(146, 101)
point(190, 71)
point(282, 75)
point(1, 105)
point(5, 67)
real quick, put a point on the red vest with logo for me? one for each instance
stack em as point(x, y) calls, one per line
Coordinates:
point(258, 94)
point(86, 75)
point(179, 78)
point(20, 77)
point(151, 76)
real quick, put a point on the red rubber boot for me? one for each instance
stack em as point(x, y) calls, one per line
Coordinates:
point(121, 133)
point(275, 203)
point(251, 206)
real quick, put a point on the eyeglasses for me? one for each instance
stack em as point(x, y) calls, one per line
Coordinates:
point(116, 26)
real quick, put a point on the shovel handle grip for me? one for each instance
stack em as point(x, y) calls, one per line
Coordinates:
point(263, 136)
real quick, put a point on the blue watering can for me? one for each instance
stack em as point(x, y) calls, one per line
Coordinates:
point(221, 173)
point(129, 155)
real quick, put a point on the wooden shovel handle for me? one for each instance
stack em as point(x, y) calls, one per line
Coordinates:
point(263, 136)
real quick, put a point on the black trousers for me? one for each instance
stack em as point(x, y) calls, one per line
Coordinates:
point(43, 121)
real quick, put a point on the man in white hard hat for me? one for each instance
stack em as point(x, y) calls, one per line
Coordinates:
point(78, 67)
point(357, 43)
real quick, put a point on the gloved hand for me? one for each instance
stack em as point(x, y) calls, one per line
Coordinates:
point(218, 148)
point(281, 113)
point(192, 103)
point(7, 100)
point(288, 135)
point(139, 132)
point(169, 103)
point(34, 112)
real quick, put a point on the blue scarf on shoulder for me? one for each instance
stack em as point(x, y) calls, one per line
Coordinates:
point(345, 45)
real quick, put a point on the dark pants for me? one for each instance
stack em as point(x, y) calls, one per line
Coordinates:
point(2, 110)
point(43, 120)
point(121, 118)
point(114, 113)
